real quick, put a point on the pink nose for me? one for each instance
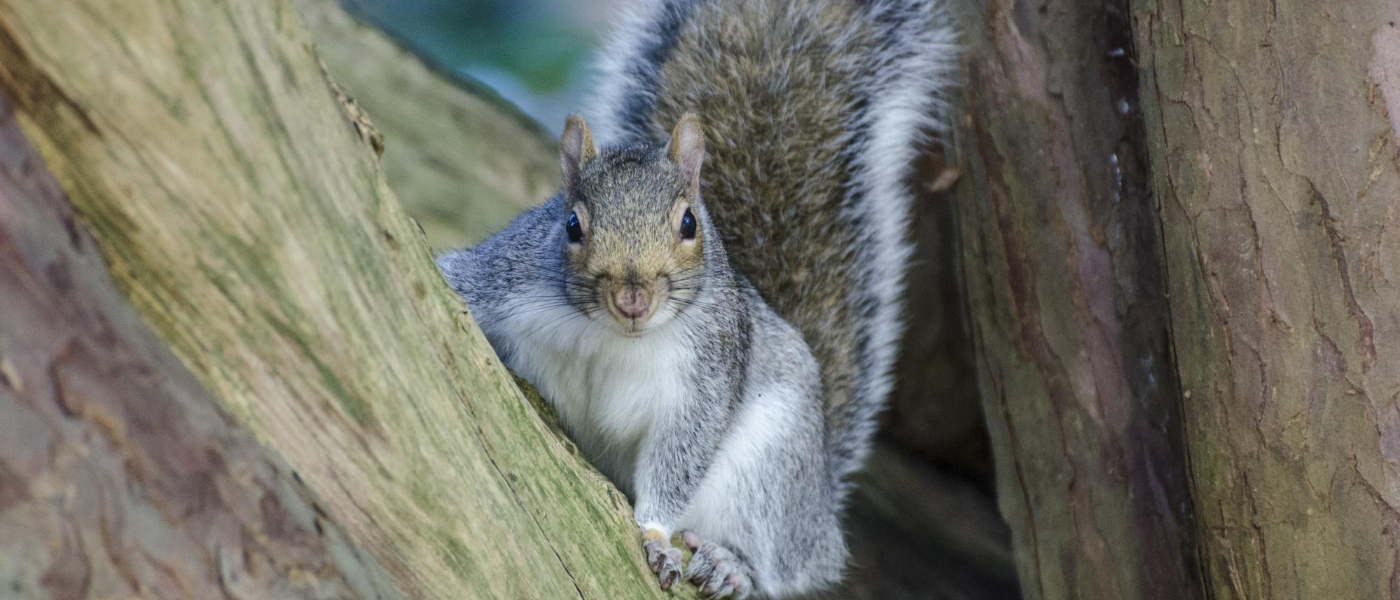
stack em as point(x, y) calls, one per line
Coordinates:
point(631, 302)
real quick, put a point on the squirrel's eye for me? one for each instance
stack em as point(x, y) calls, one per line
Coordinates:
point(687, 225)
point(575, 230)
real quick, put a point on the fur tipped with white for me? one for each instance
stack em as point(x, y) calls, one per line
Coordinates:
point(912, 105)
point(620, 53)
point(913, 76)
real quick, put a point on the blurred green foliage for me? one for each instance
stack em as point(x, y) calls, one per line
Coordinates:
point(540, 43)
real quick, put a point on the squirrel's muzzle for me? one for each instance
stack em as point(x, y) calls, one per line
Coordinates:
point(631, 303)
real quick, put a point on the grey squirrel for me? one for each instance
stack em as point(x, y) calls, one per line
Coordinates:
point(711, 303)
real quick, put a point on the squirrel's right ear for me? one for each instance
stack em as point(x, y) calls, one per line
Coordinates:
point(575, 149)
point(687, 147)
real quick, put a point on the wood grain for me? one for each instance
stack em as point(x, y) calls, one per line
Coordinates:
point(119, 474)
point(241, 209)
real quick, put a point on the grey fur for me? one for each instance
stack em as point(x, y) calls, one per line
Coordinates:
point(777, 511)
point(814, 110)
point(728, 418)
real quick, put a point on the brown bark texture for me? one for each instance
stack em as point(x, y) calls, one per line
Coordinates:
point(1060, 252)
point(119, 475)
point(1273, 133)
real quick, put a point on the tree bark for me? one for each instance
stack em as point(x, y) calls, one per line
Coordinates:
point(1061, 258)
point(461, 159)
point(241, 210)
point(119, 475)
point(1273, 128)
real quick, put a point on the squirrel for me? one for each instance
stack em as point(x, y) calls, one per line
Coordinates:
point(713, 309)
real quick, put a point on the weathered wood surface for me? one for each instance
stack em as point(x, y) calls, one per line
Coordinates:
point(119, 475)
point(1060, 255)
point(1273, 134)
point(463, 161)
point(242, 211)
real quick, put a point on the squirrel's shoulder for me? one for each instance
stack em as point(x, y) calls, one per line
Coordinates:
point(510, 259)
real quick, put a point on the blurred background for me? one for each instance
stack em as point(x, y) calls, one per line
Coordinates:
point(535, 53)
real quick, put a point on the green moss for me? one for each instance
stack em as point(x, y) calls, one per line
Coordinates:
point(351, 403)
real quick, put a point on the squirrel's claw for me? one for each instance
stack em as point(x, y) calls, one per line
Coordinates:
point(664, 561)
point(718, 572)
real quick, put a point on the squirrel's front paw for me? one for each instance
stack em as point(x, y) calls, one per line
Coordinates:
point(717, 571)
point(664, 560)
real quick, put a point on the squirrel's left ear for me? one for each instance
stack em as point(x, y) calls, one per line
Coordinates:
point(687, 147)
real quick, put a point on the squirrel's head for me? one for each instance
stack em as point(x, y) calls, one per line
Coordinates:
point(634, 228)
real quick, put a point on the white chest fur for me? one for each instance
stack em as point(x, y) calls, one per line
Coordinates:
point(610, 390)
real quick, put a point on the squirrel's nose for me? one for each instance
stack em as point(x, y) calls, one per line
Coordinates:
point(631, 302)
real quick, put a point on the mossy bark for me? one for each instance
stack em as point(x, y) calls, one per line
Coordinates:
point(462, 160)
point(1273, 135)
point(1060, 253)
point(241, 209)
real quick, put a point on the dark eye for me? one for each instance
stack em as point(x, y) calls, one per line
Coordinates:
point(575, 230)
point(687, 225)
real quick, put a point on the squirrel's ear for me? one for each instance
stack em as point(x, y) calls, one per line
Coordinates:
point(575, 149)
point(687, 147)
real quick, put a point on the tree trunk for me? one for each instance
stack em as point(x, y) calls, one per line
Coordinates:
point(1061, 261)
point(1273, 128)
point(242, 211)
point(119, 475)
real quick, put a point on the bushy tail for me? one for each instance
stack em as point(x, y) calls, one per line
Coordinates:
point(814, 112)
point(915, 79)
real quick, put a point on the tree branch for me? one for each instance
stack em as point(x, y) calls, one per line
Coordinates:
point(463, 161)
point(243, 214)
point(119, 476)
point(1060, 255)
